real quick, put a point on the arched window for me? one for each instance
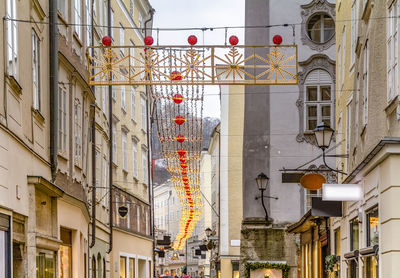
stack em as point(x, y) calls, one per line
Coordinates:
point(99, 266)
point(93, 267)
point(320, 28)
point(318, 99)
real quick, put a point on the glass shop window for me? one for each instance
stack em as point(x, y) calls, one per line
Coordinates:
point(372, 227)
point(354, 234)
point(66, 253)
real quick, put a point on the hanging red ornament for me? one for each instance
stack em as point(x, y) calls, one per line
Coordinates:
point(148, 40)
point(182, 159)
point(176, 75)
point(181, 152)
point(177, 98)
point(184, 172)
point(184, 165)
point(185, 178)
point(179, 120)
point(106, 40)
point(192, 40)
point(233, 40)
point(180, 138)
point(277, 39)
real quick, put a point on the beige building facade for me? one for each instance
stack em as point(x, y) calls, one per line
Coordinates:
point(368, 125)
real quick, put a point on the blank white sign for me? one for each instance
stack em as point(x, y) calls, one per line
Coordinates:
point(341, 192)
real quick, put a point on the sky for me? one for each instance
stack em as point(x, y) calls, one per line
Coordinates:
point(199, 13)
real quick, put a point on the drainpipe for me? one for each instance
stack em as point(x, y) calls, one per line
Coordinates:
point(110, 116)
point(149, 160)
point(94, 201)
point(53, 87)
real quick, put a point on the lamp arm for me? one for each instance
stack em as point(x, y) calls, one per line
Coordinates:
point(334, 170)
point(262, 202)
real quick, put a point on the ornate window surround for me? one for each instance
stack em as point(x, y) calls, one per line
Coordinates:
point(308, 10)
point(316, 61)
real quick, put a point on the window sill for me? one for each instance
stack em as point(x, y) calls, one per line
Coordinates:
point(115, 165)
point(16, 87)
point(63, 155)
point(134, 121)
point(135, 178)
point(123, 110)
point(79, 167)
point(125, 172)
point(77, 39)
point(38, 116)
point(367, 10)
point(62, 19)
point(392, 105)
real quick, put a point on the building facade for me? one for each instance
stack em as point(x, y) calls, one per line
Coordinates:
point(278, 125)
point(368, 124)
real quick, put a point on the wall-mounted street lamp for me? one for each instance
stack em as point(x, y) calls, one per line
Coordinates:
point(262, 183)
point(323, 136)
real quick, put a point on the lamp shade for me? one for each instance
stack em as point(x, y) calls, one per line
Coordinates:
point(312, 181)
point(323, 135)
point(262, 181)
point(208, 232)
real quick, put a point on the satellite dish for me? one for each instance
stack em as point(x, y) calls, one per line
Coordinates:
point(312, 181)
point(122, 211)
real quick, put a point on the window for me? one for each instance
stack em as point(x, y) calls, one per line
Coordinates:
point(348, 129)
point(147, 223)
point(144, 113)
point(133, 104)
point(365, 84)
point(371, 267)
point(318, 99)
point(112, 23)
point(105, 183)
point(392, 50)
point(45, 265)
point(354, 235)
point(138, 218)
point(63, 8)
point(114, 143)
point(131, 267)
point(140, 20)
point(66, 253)
point(12, 38)
point(354, 30)
point(343, 63)
point(121, 34)
point(78, 18)
point(357, 104)
point(320, 28)
point(353, 269)
point(122, 267)
point(131, 7)
point(62, 119)
point(132, 53)
point(144, 166)
point(124, 154)
point(337, 241)
point(123, 98)
point(134, 159)
point(372, 227)
point(78, 131)
point(104, 100)
point(339, 66)
point(88, 9)
point(36, 71)
point(98, 173)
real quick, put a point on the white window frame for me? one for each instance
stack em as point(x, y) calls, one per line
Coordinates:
point(114, 143)
point(123, 99)
point(132, 53)
point(133, 104)
point(143, 106)
point(62, 120)
point(78, 132)
point(36, 71)
point(144, 166)
point(124, 151)
point(62, 6)
point(134, 159)
point(319, 103)
point(343, 64)
point(339, 67)
point(354, 30)
point(12, 39)
point(112, 23)
point(138, 218)
point(140, 20)
point(78, 18)
point(121, 35)
point(105, 182)
point(365, 83)
point(88, 9)
point(348, 126)
point(131, 7)
point(393, 50)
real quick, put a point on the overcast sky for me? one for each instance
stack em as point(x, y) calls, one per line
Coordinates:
point(199, 13)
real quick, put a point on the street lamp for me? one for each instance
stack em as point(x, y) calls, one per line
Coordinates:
point(208, 232)
point(323, 135)
point(262, 182)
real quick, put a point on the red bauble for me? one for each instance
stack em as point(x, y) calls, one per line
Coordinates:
point(277, 39)
point(178, 98)
point(184, 172)
point(179, 120)
point(106, 40)
point(185, 178)
point(184, 165)
point(148, 40)
point(181, 152)
point(180, 138)
point(192, 40)
point(182, 159)
point(176, 75)
point(233, 40)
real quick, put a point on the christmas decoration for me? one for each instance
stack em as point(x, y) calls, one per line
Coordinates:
point(148, 40)
point(277, 39)
point(106, 41)
point(192, 40)
point(233, 40)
